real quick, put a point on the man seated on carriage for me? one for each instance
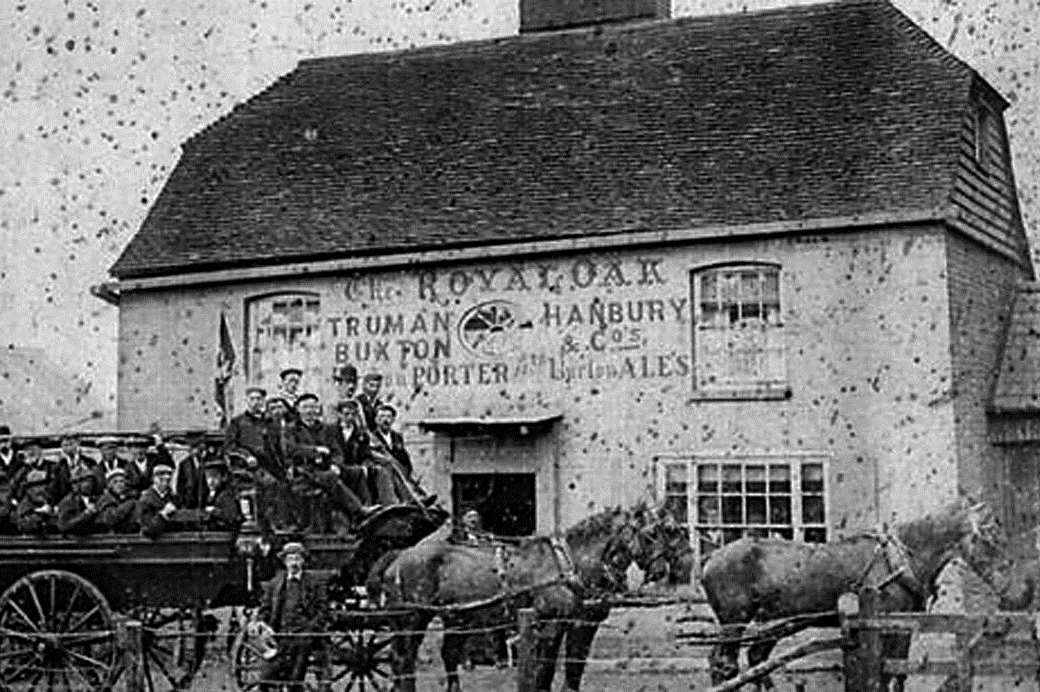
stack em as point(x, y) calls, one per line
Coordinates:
point(35, 513)
point(8, 503)
point(222, 512)
point(362, 473)
point(110, 459)
point(314, 474)
point(190, 483)
point(155, 508)
point(70, 462)
point(293, 602)
point(77, 511)
point(116, 506)
point(142, 460)
point(36, 462)
point(388, 448)
point(10, 458)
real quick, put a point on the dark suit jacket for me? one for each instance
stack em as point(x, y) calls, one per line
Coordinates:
point(190, 487)
point(226, 515)
point(247, 434)
point(355, 450)
point(116, 513)
point(63, 473)
point(368, 409)
point(315, 601)
point(147, 516)
point(395, 449)
point(303, 441)
point(73, 516)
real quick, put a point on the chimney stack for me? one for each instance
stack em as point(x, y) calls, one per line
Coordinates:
point(551, 15)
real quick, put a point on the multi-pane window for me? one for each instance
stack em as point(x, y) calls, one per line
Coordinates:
point(284, 330)
point(738, 332)
point(723, 498)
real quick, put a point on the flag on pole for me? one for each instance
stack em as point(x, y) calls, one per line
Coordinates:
point(225, 368)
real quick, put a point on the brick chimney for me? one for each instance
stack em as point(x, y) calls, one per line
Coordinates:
point(551, 15)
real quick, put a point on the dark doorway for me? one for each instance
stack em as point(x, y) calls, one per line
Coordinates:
point(506, 501)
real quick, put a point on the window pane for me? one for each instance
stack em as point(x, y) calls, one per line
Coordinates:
point(708, 478)
point(812, 509)
point(709, 287)
point(749, 287)
point(771, 286)
point(787, 534)
point(730, 535)
point(732, 510)
point(676, 506)
point(812, 478)
point(707, 510)
point(779, 479)
point(816, 535)
point(779, 509)
point(731, 479)
point(756, 510)
point(756, 479)
point(675, 479)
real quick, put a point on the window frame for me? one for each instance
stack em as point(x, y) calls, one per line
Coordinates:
point(250, 305)
point(796, 462)
point(750, 389)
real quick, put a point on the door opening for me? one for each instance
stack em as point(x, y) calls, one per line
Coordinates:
point(505, 501)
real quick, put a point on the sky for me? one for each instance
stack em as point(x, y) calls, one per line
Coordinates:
point(96, 96)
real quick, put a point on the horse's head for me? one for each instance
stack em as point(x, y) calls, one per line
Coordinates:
point(662, 547)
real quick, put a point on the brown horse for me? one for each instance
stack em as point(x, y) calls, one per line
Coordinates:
point(482, 586)
point(754, 580)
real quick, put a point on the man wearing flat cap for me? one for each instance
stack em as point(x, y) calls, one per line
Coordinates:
point(116, 507)
point(289, 387)
point(317, 463)
point(369, 398)
point(246, 433)
point(294, 601)
point(35, 513)
point(154, 513)
point(77, 511)
point(110, 460)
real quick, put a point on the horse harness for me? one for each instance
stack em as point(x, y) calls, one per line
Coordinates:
point(899, 562)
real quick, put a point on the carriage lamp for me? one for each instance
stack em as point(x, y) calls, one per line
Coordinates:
point(247, 504)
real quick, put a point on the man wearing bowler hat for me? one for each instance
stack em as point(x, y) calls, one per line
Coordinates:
point(221, 502)
point(369, 398)
point(35, 513)
point(77, 511)
point(294, 602)
point(346, 379)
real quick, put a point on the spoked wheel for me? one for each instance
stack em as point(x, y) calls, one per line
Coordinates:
point(246, 663)
point(173, 644)
point(56, 633)
point(360, 660)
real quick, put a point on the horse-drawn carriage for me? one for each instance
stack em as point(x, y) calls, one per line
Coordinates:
point(62, 598)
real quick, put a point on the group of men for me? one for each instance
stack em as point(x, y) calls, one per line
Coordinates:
point(316, 475)
point(77, 494)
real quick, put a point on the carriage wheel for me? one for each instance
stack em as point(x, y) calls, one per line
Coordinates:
point(173, 646)
point(245, 663)
point(56, 633)
point(360, 660)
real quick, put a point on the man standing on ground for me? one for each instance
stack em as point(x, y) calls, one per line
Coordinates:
point(294, 601)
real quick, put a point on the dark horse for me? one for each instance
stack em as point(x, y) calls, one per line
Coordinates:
point(754, 580)
point(482, 586)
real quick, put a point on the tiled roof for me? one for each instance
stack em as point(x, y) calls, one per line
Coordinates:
point(809, 112)
point(1018, 384)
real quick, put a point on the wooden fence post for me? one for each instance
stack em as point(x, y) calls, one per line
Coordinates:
point(525, 650)
point(862, 660)
point(128, 639)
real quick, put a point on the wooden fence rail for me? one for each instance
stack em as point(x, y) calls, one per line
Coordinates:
point(867, 669)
